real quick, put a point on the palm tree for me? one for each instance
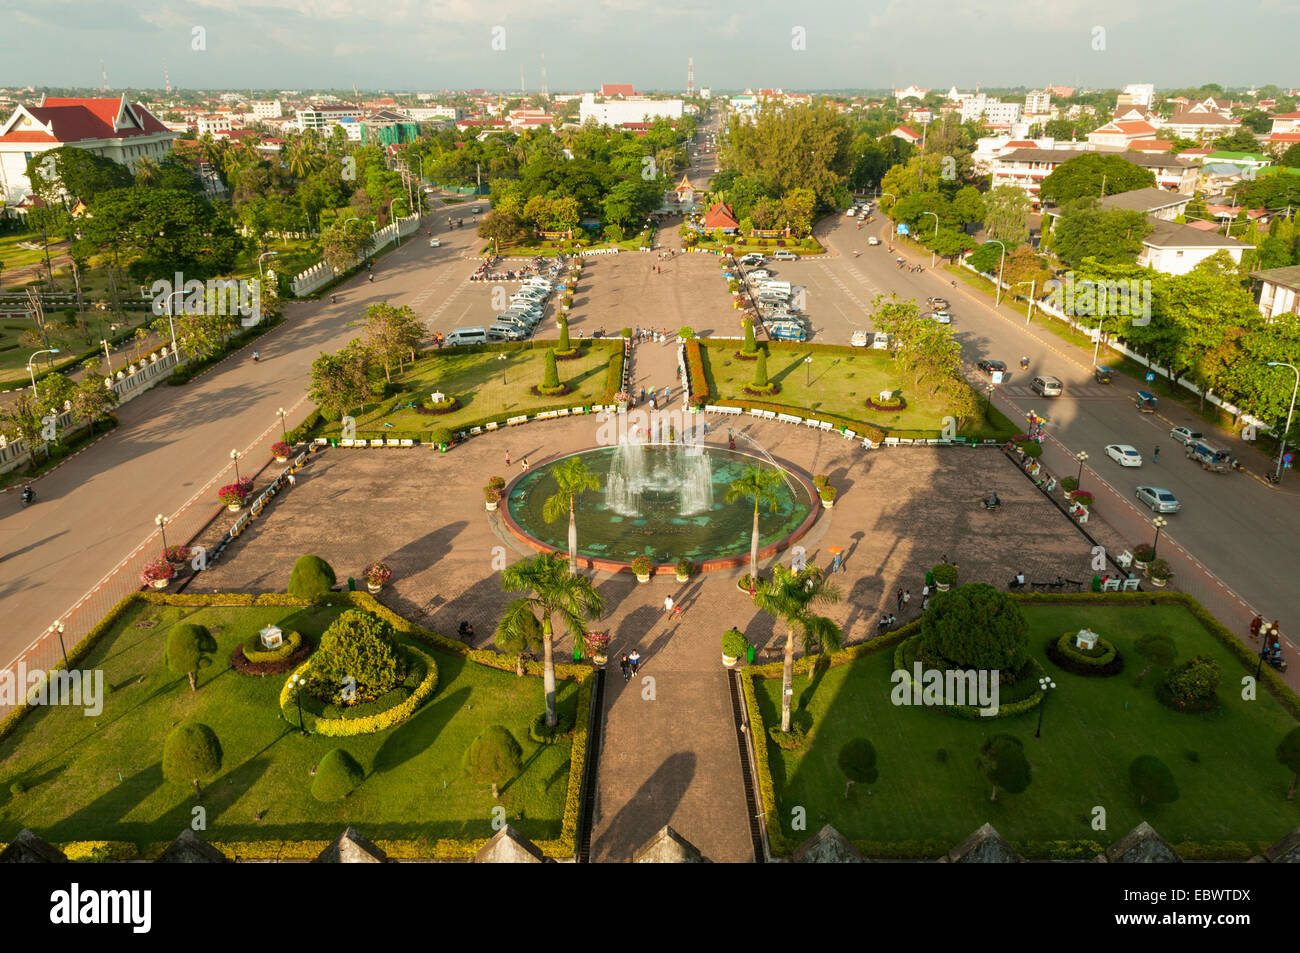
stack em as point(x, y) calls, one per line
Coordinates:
point(146, 171)
point(790, 596)
point(552, 590)
point(574, 479)
point(759, 484)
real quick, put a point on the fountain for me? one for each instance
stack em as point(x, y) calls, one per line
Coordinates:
point(681, 469)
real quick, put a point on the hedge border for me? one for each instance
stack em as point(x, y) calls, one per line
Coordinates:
point(366, 724)
point(1060, 655)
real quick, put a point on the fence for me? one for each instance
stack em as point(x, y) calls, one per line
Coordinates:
point(322, 274)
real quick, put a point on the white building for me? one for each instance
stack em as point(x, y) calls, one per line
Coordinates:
point(215, 125)
point(978, 106)
point(267, 109)
point(109, 127)
point(1038, 102)
point(1279, 291)
point(912, 92)
point(433, 113)
point(1026, 168)
point(1174, 249)
point(322, 117)
point(352, 127)
point(1140, 94)
point(617, 112)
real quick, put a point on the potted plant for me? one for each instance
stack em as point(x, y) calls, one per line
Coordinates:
point(1143, 553)
point(642, 567)
point(596, 644)
point(281, 450)
point(1082, 497)
point(1068, 486)
point(177, 556)
point(1032, 449)
point(945, 575)
point(828, 494)
point(821, 481)
point(684, 569)
point(441, 438)
point(232, 494)
point(377, 576)
point(492, 495)
point(158, 573)
point(734, 647)
point(1159, 572)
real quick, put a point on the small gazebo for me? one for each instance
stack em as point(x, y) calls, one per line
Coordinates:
point(685, 191)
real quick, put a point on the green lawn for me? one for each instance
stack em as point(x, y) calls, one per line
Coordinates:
point(487, 388)
point(101, 777)
point(837, 383)
point(14, 257)
point(1093, 728)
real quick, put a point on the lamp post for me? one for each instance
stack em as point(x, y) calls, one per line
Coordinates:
point(299, 683)
point(1081, 456)
point(504, 370)
point(1101, 321)
point(57, 629)
point(1159, 523)
point(1001, 261)
point(284, 434)
point(936, 234)
point(1045, 684)
point(171, 310)
point(234, 455)
point(398, 236)
point(31, 360)
point(807, 364)
point(161, 522)
point(1289, 414)
point(1032, 285)
point(259, 262)
point(988, 399)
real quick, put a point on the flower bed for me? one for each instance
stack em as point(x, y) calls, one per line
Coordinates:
point(251, 659)
point(695, 368)
point(429, 407)
point(1103, 661)
point(895, 403)
point(235, 493)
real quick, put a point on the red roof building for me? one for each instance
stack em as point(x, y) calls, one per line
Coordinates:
point(1151, 145)
point(112, 127)
point(721, 217)
point(608, 90)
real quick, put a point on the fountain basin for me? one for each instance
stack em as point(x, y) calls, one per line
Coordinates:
point(663, 501)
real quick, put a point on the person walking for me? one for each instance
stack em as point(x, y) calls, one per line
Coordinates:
point(1155, 457)
point(898, 601)
point(293, 480)
point(625, 668)
point(524, 464)
point(668, 604)
point(635, 661)
point(907, 597)
point(835, 563)
point(507, 458)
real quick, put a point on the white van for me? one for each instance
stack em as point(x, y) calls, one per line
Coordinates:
point(467, 336)
point(775, 287)
point(537, 281)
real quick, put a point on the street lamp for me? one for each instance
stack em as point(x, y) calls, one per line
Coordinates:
point(57, 629)
point(398, 236)
point(807, 363)
point(1081, 456)
point(161, 522)
point(1032, 284)
point(936, 234)
point(1159, 523)
point(32, 359)
point(299, 683)
point(171, 310)
point(234, 455)
point(1282, 451)
point(284, 435)
point(988, 402)
point(1001, 261)
point(1045, 684)
point(259, 261)
point(504, 371)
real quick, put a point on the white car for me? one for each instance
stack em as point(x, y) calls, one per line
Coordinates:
point(435, 242)
point(859, 339)
point(881, 341)
point(873, 240)
point(943, 317)
point(759, 274)
point(1124, 455)
point(851, 212)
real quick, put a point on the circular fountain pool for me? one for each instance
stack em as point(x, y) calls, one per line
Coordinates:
point(664, 501)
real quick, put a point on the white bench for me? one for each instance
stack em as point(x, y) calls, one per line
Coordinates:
point(1111, 585)
point(562, 413)
point(516, 420)
point(826, 425)
point(407, 442)
point(788, 418)
point(475, 430)
point(376, 443)
point(755, 412)
point(850, 435)
point(769, 414)
point(392, 442)
point(491, 426)
point(347, 443)
point(1130, 585)
point(891, 441)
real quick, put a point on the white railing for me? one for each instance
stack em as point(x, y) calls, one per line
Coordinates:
point(321, 274)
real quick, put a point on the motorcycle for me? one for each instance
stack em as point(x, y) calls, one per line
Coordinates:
point(992, 503)
point(1024, 363)
point(1276, 662)
point(29, 495)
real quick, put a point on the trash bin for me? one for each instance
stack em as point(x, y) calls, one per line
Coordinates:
point(749, 655)
point(352, 584)
point(1096, 583)
point(929, 578)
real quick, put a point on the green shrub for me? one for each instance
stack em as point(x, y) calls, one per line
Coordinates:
point(857, 759)
point(1194, 681)
point(188, 649)
point(975, 626)
point(18, 787)
point(191, 754)
point(1104, 660)
point(944, 574)
point(337, 775)
point(545, 734)
point(494, 756)
point(734, 644)
point(358, 660)
point(253, 651)
point(312, 578)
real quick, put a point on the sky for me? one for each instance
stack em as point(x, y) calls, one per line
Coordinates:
point(402, 45)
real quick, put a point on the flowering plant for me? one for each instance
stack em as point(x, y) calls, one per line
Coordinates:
point(1082, 497)
point(596, 642)
point(158, 570)
point(235, 492)
point(280, 449)
point(621, 397)
point(177, 554)
point(378, 574)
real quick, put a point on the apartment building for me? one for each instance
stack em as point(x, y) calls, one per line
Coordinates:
point(1026, 168)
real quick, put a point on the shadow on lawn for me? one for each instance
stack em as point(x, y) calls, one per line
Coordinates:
point(412, 738)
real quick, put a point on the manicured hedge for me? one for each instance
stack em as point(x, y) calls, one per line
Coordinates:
point(905, 655)
point(1063, 653)
point(700, 392)
point(366, 724)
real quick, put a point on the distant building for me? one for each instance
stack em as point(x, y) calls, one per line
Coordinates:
point(109, 127)
point(321, 118)
point(628, 110)
point(432, 113)
point(1174, 249)
point(1026, 168)
point(1277, 291)
point(267, 109)
point(912, 92)
point(906, 133)
point(610, 90)
point(1121, 134)
point(1138, 94)
point(217, 125)
point(721, 218)
point(388, 128)
point(1038, 102)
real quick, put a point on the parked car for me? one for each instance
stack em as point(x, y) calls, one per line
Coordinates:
point(435, 242)
point(786, 331)
point(873, 240)
point(785, 254)
point(1185, 435)
point(1124, 455)
point(851, 212)
point(938, 304)
point(988, 367)
point(506, 331)
point(1047, 386)
point(759, 274)
point(752, 258)
point(881, 341)
point(467, 336)
point(1159, 499)
point(859, 339)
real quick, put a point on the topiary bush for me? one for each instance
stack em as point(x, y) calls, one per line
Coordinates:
point(191, 754)
point(188, 649)
point(494, 756)
point(358, 660)
point(734, 644)
point(857, 759)
point(254, 653)
point(977, 627)
point(312, 578)
point(1152, 780)
point(1104, 660)
point(1192, 686)
point(337, 775)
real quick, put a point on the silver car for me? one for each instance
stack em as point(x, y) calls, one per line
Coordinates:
point(1160, 500)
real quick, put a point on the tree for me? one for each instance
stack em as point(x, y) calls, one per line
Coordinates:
point(1291, 158)
point(494, 756)
point(760, 380)
point(526, 636)
point(566, 347)
point(1093, 175)
point(573, 479)
point(74, 173)
point(1002, 760)
point(1111, 236)
point(760, 485)
point(1155, 649)
point(342, 243)
point(1153, 780)
point(358, 660)
point(987, 258)
point(553, 589)
point(550, 373)
point(968, 205)
point(1288, 754)
point(341, 381)
point(191, 754)
point(786, 149)
point(93, 399)
point(189, 649)
point(976, 627)
point(311, 578)
point(21, 420)
point(857, 760)
point(791, 597)
point(337, 775)
point(750, 345)
point(1023, 265)
point(1006, 215)
point(1195, 680)
point(392, 334)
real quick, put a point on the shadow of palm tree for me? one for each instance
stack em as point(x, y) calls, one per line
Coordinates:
point(649, 809)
